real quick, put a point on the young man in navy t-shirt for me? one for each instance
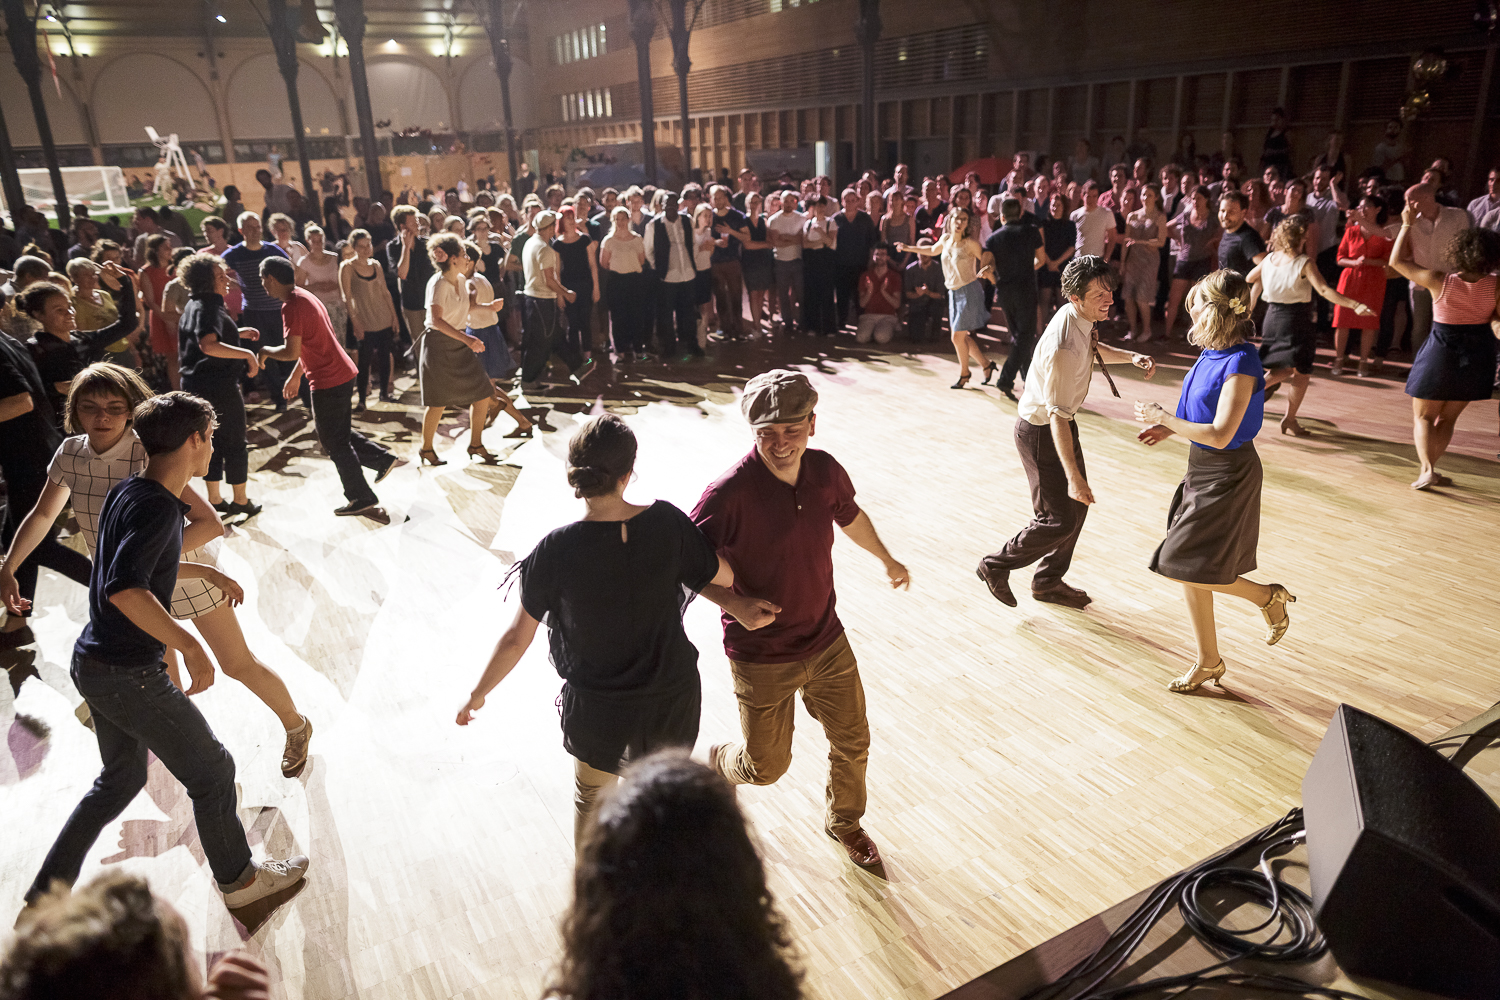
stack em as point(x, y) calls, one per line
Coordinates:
point(118, 668)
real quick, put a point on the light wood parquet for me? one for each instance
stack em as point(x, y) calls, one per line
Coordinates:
point(1028, 766)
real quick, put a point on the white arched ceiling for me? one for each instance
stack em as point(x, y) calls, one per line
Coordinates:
point(479, 97)
point(409, 95)
point(257, 101)
point(144, 89)
point(62, 112)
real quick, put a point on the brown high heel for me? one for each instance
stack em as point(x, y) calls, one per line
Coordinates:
point(482, 453)
point(1276, 630)
point(429, 457)
point(522, 431)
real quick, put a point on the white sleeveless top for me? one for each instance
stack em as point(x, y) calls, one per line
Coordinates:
point(1282, 278)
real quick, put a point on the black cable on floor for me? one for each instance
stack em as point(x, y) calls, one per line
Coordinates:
point(1296, 937)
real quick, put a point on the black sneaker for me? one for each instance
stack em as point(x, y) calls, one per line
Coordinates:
point(355, 508)
point(248, 509)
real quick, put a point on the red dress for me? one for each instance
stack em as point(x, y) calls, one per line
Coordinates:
point(162, 341)
point(1365, 283)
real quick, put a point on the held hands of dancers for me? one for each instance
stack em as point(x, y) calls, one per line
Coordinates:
point(1145, 362)
point(752, 612)
point(1153, 414)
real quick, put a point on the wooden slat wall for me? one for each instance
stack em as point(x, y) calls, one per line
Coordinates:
point(818, 90)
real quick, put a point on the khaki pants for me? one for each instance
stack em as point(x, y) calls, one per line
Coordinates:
point(834, 696)
point(588, 782)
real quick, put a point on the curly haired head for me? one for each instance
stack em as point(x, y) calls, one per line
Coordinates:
point(1220, 307)
point(670, 898)
point(1289, 236)
point(1475, 251)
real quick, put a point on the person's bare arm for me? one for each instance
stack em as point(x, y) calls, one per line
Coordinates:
point(404, 264)
point(549, 275)
point(203, 522)
point(289, 351)
point(1234, 400)
point(347, 294)
point(865, 291)
point(1315, 278)
point(146, 613)
point(593, 252)
point(1115, 356)
point(862, 532)
point(508, 650)
point(15, 406)
point(1407, 268)
point(28, 536)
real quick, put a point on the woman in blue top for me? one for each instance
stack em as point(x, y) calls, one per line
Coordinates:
point(1214, 521)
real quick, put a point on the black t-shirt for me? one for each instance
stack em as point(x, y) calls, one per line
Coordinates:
point(1059, 234)
point(414, 285)
point(139, 546)
point(203, 315)
point(856, 237)
point(1013, 246)
point(28, 441)
point(1237, 250)
point(733, 220)
point(614, 609)
point(927, 218)
point(573, 262)
point(763, 257)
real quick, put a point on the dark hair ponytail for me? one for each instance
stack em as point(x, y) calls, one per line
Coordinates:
point(600, 455)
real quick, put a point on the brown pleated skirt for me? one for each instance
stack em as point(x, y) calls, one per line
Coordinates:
point(1213, 526)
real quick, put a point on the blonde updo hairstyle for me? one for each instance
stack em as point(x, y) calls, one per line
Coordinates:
point(600, 455)
point(1289, 236)
point(1224, 320)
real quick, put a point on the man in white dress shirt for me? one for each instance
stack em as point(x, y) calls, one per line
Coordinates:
point(1430, 235)
point(1047, 437)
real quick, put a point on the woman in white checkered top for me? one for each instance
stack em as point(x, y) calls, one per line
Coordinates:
point(85, 467)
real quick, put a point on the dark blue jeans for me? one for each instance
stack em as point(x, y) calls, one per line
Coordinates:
point(135, 710)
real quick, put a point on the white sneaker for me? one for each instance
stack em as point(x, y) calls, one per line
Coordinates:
point(270, 877)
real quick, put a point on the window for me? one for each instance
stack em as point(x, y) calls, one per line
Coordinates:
point(777, 6)
point(582, 43)
point(586, 104)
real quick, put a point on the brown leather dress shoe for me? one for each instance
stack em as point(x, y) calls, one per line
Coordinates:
point(861, 849)
point(1061, 593)
point(998, 580)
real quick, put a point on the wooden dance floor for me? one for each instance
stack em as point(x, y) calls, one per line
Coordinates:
point(1028, 767)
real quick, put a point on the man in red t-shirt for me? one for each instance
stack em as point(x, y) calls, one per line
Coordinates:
point(771, 517)
point(330, 374)
point(879, 298)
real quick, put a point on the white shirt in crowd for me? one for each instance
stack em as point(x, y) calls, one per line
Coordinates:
point(1062, 368)
point(1429, 238)
point(787, 224)
point(625, 252)
point(1092, 227)
point(680, 260)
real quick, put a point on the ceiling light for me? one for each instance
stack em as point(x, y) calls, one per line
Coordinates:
point(391, 43)
point(221, 19)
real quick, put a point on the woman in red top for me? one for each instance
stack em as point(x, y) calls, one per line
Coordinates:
point(154, 278)
point(1363, 254)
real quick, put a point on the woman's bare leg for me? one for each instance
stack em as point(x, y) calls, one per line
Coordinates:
point(221, 630)
point(1174, 303)
point(1294, 398)
point(478, 410)
point(1144, 308)
point(430, 418)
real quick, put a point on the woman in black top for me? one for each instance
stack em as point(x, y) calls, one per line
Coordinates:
point(212, 363)
point(578, 267)
point(612, 589)
point(1059, 239)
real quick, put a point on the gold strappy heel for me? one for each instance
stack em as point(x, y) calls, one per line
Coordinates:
point(1275, 629)
point(1186, 685)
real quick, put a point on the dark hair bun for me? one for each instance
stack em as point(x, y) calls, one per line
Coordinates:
point(588, 480)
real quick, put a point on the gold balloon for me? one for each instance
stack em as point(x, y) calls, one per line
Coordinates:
point(1429, 67)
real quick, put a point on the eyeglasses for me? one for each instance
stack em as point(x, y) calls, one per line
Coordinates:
point(94, 409)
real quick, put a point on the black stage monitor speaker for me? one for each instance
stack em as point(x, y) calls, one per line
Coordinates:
point(1404, 852)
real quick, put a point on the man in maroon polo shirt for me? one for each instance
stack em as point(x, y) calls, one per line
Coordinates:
point(330, 374)
point(772, 516)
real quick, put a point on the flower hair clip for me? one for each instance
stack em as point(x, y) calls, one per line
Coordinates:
point(1239, 307)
